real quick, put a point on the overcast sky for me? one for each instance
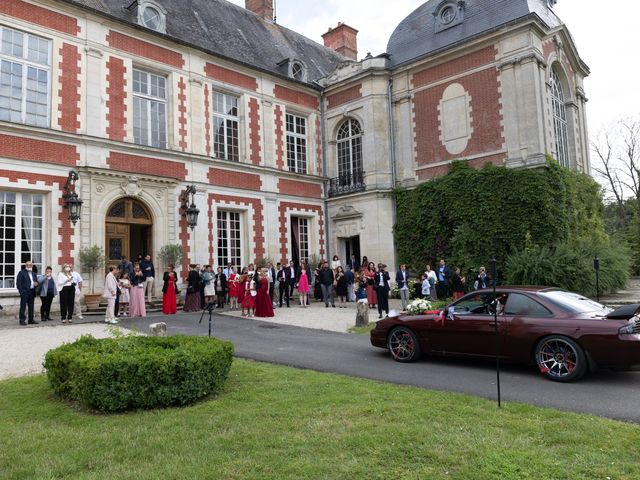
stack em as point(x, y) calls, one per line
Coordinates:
point(607, 35)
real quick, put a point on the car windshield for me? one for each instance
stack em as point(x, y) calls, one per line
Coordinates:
point(572, 302)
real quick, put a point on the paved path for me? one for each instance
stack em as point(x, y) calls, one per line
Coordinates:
point(608, 394)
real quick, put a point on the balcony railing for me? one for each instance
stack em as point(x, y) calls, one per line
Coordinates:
point(347, 183)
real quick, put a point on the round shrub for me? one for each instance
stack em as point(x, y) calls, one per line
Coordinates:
point(115, 374)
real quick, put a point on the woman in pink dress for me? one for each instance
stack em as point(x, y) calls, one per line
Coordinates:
point(137, 307)
point(303, 284)
point(369, 274)
point(264, 308)
point(233, 289)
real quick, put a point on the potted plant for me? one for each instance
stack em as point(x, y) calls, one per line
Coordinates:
point(171, 253)
point(92, 258)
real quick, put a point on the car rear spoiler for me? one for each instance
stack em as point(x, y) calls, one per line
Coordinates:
point(625, 311)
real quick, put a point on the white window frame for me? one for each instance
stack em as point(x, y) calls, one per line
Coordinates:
point(162, 14)
point(296, 163)
point(303, 238)
point(26, 64)
point(225, 117)
point(560, 125)
point(224, 232)
point(146, 100)
point(17, 251)
point(349, 151)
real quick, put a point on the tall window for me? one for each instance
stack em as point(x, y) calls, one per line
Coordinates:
point(303, 238)
point(225, 126)
point(296, 143)
point(559, 120)
point(21, 230)
point(229, 238)
point(149, 109)
point(349, 143)
point(25, 70)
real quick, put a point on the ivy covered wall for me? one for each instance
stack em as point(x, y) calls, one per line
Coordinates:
point(468, 216)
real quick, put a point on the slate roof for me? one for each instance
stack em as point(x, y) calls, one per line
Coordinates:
point(230, 31)
point(416, 37)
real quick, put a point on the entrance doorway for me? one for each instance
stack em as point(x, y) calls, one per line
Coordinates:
point(351, 247)
point(129, 228)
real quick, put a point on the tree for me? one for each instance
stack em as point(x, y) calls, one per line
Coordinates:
point(617, 150)
point(92, 258)
point(170, 254)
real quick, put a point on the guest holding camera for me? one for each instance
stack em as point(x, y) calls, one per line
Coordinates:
point(67, 291)
point(137, 307)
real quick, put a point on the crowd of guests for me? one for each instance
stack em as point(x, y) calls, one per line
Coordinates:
point(66, 285)
point(249, 289)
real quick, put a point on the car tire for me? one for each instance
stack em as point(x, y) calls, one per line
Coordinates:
point(403, 345)
point(560, 358)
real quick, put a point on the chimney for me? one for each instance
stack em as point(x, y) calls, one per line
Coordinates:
point(262, 8)
point(343, 40)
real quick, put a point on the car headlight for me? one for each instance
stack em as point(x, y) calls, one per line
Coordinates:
point(633, 327)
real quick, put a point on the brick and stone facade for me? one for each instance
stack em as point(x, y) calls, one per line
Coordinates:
point(482, 100)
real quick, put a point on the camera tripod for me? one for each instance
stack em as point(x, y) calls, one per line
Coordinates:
point(208, 308)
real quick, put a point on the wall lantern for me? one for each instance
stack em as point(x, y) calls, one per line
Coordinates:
point(70, 197)
point(189, 209)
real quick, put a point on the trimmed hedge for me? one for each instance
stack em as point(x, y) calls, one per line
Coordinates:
point(115, 374)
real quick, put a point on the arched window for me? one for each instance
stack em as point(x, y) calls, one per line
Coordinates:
point(349, 143)
point(559, 120)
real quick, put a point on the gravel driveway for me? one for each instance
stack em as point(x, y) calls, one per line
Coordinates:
point(22, 350)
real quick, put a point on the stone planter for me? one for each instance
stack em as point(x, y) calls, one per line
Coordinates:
point(92, 300)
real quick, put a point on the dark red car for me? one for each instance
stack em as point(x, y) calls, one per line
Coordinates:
point(564, 334)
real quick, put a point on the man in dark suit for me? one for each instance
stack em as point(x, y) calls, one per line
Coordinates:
point(272, 279)
point(26, 283)
point(402, 276)
point(381, 284)
point(283, 284)
point(444, 276)
point(291, 275)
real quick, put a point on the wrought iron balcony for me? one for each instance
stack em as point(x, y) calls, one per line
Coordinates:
point(347, 183)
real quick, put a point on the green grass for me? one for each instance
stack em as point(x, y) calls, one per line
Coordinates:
point(363, 330)
point(274, 422)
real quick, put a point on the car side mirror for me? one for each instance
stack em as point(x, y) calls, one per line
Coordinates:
point(449, 312)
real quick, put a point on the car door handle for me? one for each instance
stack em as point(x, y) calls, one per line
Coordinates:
point(492, 324)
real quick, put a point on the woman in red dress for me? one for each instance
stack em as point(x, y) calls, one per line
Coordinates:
point(241, 289)
point(249, 300)
point(264, 308)
point(369, 274)
point(169, 290)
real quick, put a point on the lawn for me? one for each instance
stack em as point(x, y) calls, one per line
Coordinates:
point(275, 422)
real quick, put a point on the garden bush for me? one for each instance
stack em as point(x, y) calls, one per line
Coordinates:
point(131, 372)
point(569, 265)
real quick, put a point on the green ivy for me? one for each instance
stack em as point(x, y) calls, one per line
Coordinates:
point(470, 215)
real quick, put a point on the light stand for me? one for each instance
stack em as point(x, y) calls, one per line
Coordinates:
point(494, 274)
point(208, 308)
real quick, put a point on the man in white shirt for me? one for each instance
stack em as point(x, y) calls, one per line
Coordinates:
point(77, 279)
point(110, 291)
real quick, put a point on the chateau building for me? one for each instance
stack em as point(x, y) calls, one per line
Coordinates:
point(287, 148)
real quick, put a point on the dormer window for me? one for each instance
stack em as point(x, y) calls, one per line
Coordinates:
point(294, 68)
point(152, 16)
point(449, 14)
point(297, 71)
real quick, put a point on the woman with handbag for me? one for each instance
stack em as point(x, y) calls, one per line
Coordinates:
point(169, 291)
point(192, 299)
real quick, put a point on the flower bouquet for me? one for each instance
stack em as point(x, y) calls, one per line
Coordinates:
point(419, 307)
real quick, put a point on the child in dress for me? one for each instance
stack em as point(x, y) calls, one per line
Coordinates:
point(125, 287)
point(249, 301)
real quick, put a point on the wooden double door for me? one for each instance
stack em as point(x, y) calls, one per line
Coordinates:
point(129, 230)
